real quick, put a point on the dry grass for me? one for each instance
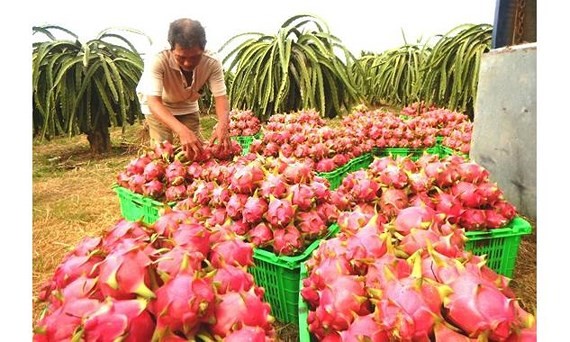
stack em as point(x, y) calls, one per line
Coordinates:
point(72, 199)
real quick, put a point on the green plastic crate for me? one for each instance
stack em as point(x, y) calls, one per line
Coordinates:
point(360, 162)
point(279, 276)
point(335, 176)
point(447, 151)
point(413, 153)
point(501, 245)
point(304, 335)
point(135, 206)
point(245, 141)
point(392, 151)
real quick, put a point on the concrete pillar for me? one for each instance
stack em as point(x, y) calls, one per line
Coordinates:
point(504, 126)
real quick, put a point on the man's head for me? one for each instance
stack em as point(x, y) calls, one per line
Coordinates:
point(186, 33)
point(187, 40)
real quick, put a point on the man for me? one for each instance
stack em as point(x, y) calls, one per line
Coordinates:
point(169, 89)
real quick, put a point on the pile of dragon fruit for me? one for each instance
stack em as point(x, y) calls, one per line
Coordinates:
point(164, 172)
point(397, 271)
point(409, 280)
point(243, 123)
point(275, 203)
point(175, 280)
point(304, 135)
point(457, 188)
point(387, 130)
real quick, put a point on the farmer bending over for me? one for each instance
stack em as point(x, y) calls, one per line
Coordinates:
point(170, 86)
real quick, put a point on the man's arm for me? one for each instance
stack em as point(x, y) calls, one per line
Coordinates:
point(188, 140)
point(221, 134)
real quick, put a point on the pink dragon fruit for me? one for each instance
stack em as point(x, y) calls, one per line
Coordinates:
point(178, 259)
point(365, 328)
point(302, 196)
point(287, 241)
point(194, 237)
point(232, 252)
point(154, 170)
point(410, 306)
point(235, 205)
point(247, 178)
point(64, 323)
point(311, 224)
point(260, 235)
point(480, 308)
point(251, 334)
point(234, 310)
point(274, 185)
point(415, 217)
point(392, 201)
point(127, 320)
point(125, 273)
point(254, 209)
point(340, 301)
point(232, 278)
point(182, 303)
point(280, 212)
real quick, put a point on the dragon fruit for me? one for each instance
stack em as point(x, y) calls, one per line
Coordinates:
point(280, 212)
point(127, 320)
point(183, 303)
point(124, 273)
point(235, 310)
point(64, 323)
point(288, 240)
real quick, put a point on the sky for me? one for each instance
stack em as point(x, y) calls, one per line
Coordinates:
point(361, 25)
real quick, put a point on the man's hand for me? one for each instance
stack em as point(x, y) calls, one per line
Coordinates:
point(221, 135)
point(191, 145)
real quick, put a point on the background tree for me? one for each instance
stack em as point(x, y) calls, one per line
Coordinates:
point(393, 76)
point(84, 88)
point(297, 68)
point(450, 74)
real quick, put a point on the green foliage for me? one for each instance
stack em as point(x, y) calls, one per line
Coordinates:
point(446, 74)
point(451, 72)
point(81, 87)
point(295, 69)
point(393, 76)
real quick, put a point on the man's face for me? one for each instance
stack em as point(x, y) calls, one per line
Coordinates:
point(187, 59)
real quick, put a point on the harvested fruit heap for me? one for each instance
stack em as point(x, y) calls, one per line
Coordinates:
point(275, 203)
point(457, 188)
point(380, 129)
point(372, 284)
point(384, 129)
point(243, 123)
point(305, 136)
point(453, 127)
point(398, 269)
point(164, 173)
point(175, 280)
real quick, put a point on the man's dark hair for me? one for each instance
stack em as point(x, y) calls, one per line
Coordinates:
point(187, 33)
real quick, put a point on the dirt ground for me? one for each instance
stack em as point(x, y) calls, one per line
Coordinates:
point(524, 278)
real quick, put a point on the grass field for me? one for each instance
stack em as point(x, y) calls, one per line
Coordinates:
point(72, 199)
